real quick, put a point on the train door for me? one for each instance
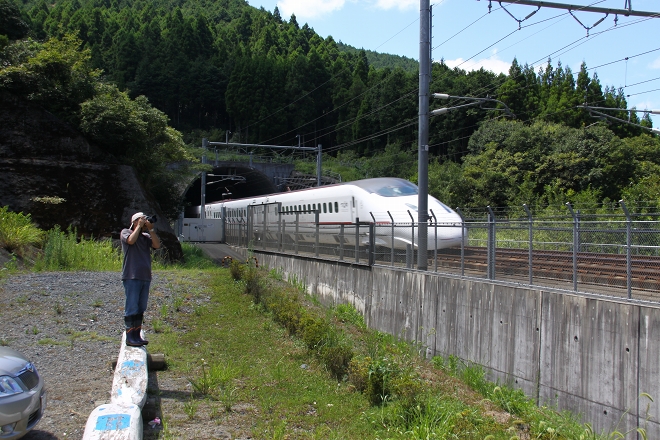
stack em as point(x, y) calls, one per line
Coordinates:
point(347, 209)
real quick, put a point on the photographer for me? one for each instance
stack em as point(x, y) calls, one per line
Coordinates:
point(136, 243)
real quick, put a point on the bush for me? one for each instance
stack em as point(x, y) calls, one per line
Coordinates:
point(379, 382)
point(336, 358)
point(358, 372)
point(348, 313)
point(315, 331)
point(17, 232)
point(237, 270)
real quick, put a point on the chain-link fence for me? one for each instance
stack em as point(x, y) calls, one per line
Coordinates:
point(608, 254)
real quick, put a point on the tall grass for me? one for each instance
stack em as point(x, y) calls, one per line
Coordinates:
point(65, 251)
point(17, 232)
point(193, 258)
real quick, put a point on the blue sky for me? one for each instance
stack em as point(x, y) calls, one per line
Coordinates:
point(466, 35)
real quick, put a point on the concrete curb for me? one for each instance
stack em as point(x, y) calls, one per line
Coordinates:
point(121, 419)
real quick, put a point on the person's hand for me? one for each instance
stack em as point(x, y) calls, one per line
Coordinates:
point(141, 222)
point(148, 224)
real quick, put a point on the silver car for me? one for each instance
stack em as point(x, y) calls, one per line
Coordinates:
point(22, 395)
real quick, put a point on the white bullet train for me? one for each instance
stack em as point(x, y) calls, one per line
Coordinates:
point(383, 201)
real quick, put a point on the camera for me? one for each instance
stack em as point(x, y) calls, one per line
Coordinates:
point(151, 218)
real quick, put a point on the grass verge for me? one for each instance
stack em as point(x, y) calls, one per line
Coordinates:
point(249, 343)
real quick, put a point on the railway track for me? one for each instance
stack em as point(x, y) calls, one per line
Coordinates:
point(608, 272)
point(597, 273)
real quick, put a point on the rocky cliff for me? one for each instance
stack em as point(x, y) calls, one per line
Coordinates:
point(49, 170)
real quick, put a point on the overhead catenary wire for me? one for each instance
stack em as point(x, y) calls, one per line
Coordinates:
point(353, 120)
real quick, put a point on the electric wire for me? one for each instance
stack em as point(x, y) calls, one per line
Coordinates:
point(349, 122)
point(626, 59)
point(641, 93)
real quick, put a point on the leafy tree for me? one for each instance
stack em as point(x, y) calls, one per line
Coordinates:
point(138, 134)
point(56, 75)
point(12, 24)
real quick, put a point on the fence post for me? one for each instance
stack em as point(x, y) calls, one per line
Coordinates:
point(341, 242)
point(372, 239)
point(435, 248)
point(316, 243)
point(223, 214)
point(412, 244)
point(531, 238)
point(264, 231)
point(458, 210)
point(357, 239)
point(576, 244)
point(372, 243)
point(490, 251)
point(250, 228)
point(297, 229)
point(391, 240)
point(628, 249)
point(279, 227)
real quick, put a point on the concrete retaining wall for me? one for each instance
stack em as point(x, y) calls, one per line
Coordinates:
point(593, 356)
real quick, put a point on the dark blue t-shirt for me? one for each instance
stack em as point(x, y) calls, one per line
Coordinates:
point(137, 257)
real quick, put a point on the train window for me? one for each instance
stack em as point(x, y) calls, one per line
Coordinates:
point(314, 206)
point(336, 207)
point(388, 187)
point(309, 207)
point(325, 208)
point(299, 208)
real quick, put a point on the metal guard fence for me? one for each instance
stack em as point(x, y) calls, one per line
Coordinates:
point(606, 255)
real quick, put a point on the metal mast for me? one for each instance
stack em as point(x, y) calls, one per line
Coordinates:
point(423, 139)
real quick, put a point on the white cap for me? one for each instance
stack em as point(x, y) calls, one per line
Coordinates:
point(136, 216)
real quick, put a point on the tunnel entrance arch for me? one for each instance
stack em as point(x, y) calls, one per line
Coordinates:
point(236, 180)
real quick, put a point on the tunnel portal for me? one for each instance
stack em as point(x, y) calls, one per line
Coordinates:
point(235, 180)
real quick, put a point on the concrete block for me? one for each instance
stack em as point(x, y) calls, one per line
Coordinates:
point(129, 384)
point(589, 359)
point(114, 421)
point(649, 370)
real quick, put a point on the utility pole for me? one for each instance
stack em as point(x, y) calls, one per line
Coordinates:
point(424, 86)
point(423, 138)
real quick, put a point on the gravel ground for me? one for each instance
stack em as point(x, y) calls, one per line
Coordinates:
point(69, 324)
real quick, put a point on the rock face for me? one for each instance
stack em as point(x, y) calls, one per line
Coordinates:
point(49, 170)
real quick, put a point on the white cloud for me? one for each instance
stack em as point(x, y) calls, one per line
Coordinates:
point(399, 4)
point(493, 64)
point(644, 105)
point(655, 64)
point(305, 9)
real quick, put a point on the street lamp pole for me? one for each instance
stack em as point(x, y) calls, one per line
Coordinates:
point(476, 101)
point(423, 137)
point(594, 110)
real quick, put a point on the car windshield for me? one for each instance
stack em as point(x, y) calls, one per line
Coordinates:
point(388, 187)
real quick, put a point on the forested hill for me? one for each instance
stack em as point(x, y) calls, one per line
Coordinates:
point(383, 60)
point(219, 64)
point(223, 66)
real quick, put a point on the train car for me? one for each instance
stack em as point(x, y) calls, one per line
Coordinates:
point(383, 201)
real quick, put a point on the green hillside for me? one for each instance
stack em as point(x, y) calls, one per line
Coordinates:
point(218, 67)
